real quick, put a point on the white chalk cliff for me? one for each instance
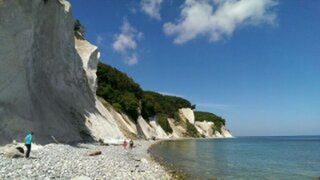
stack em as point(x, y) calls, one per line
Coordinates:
point(205, 128)
point(187, 114)
point(44, 85)
point(150, 128)
point(48, 82)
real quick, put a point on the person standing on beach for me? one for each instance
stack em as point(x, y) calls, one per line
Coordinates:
point(131, 144)
point(125, 144)
point(28, 141)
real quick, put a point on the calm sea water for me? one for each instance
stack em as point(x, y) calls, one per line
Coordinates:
point(245, 157)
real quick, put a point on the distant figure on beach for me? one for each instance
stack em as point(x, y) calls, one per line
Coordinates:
point(131, 144)
point(28, 141)
point(125, 144)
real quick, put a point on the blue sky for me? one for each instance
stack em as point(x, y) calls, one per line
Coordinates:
point(255, 63)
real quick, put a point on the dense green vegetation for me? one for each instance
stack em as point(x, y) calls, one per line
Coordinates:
point(206, 116)
point(154, 103)
point(119, 90)
point(125, 95)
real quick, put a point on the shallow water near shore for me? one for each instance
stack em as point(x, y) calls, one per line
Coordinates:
point(294, 157)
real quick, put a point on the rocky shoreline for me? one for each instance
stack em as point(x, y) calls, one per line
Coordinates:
point(174, 172)
point(60, 161)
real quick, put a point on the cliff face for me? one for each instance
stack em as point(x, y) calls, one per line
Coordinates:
point(48, 83)
point(187, 114)
point(102, 124)
point(44, 85)
point(152, 129)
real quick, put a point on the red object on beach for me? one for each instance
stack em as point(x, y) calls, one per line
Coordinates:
point(125, 144)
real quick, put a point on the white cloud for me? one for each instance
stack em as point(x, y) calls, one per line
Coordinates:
point(152, 8)
point(126, 39)
point(132, 60)
point(218, 19)
point(99, 40)
point(126, 42)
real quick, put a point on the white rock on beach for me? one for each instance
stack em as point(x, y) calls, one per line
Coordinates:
point(11, 151)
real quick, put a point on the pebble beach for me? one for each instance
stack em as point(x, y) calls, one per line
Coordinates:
point(60, 161)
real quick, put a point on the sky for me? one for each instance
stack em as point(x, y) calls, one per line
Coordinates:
point(255, 63)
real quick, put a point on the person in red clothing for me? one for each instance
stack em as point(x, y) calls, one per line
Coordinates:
point(125, 144)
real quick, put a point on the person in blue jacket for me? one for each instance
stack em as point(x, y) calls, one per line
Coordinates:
point(28, 141)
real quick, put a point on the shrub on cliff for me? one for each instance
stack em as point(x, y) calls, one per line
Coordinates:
point(162, 120)
point(154, 103)
point(206, 116)
point(130, 104)
point(191, 130)
point(78, 28)
point(119, 90)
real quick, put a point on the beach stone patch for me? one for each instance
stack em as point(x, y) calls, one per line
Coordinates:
point(81, 178)
point(12, 151)
point(58, 161)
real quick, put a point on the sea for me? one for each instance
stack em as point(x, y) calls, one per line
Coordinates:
point(278, 158)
